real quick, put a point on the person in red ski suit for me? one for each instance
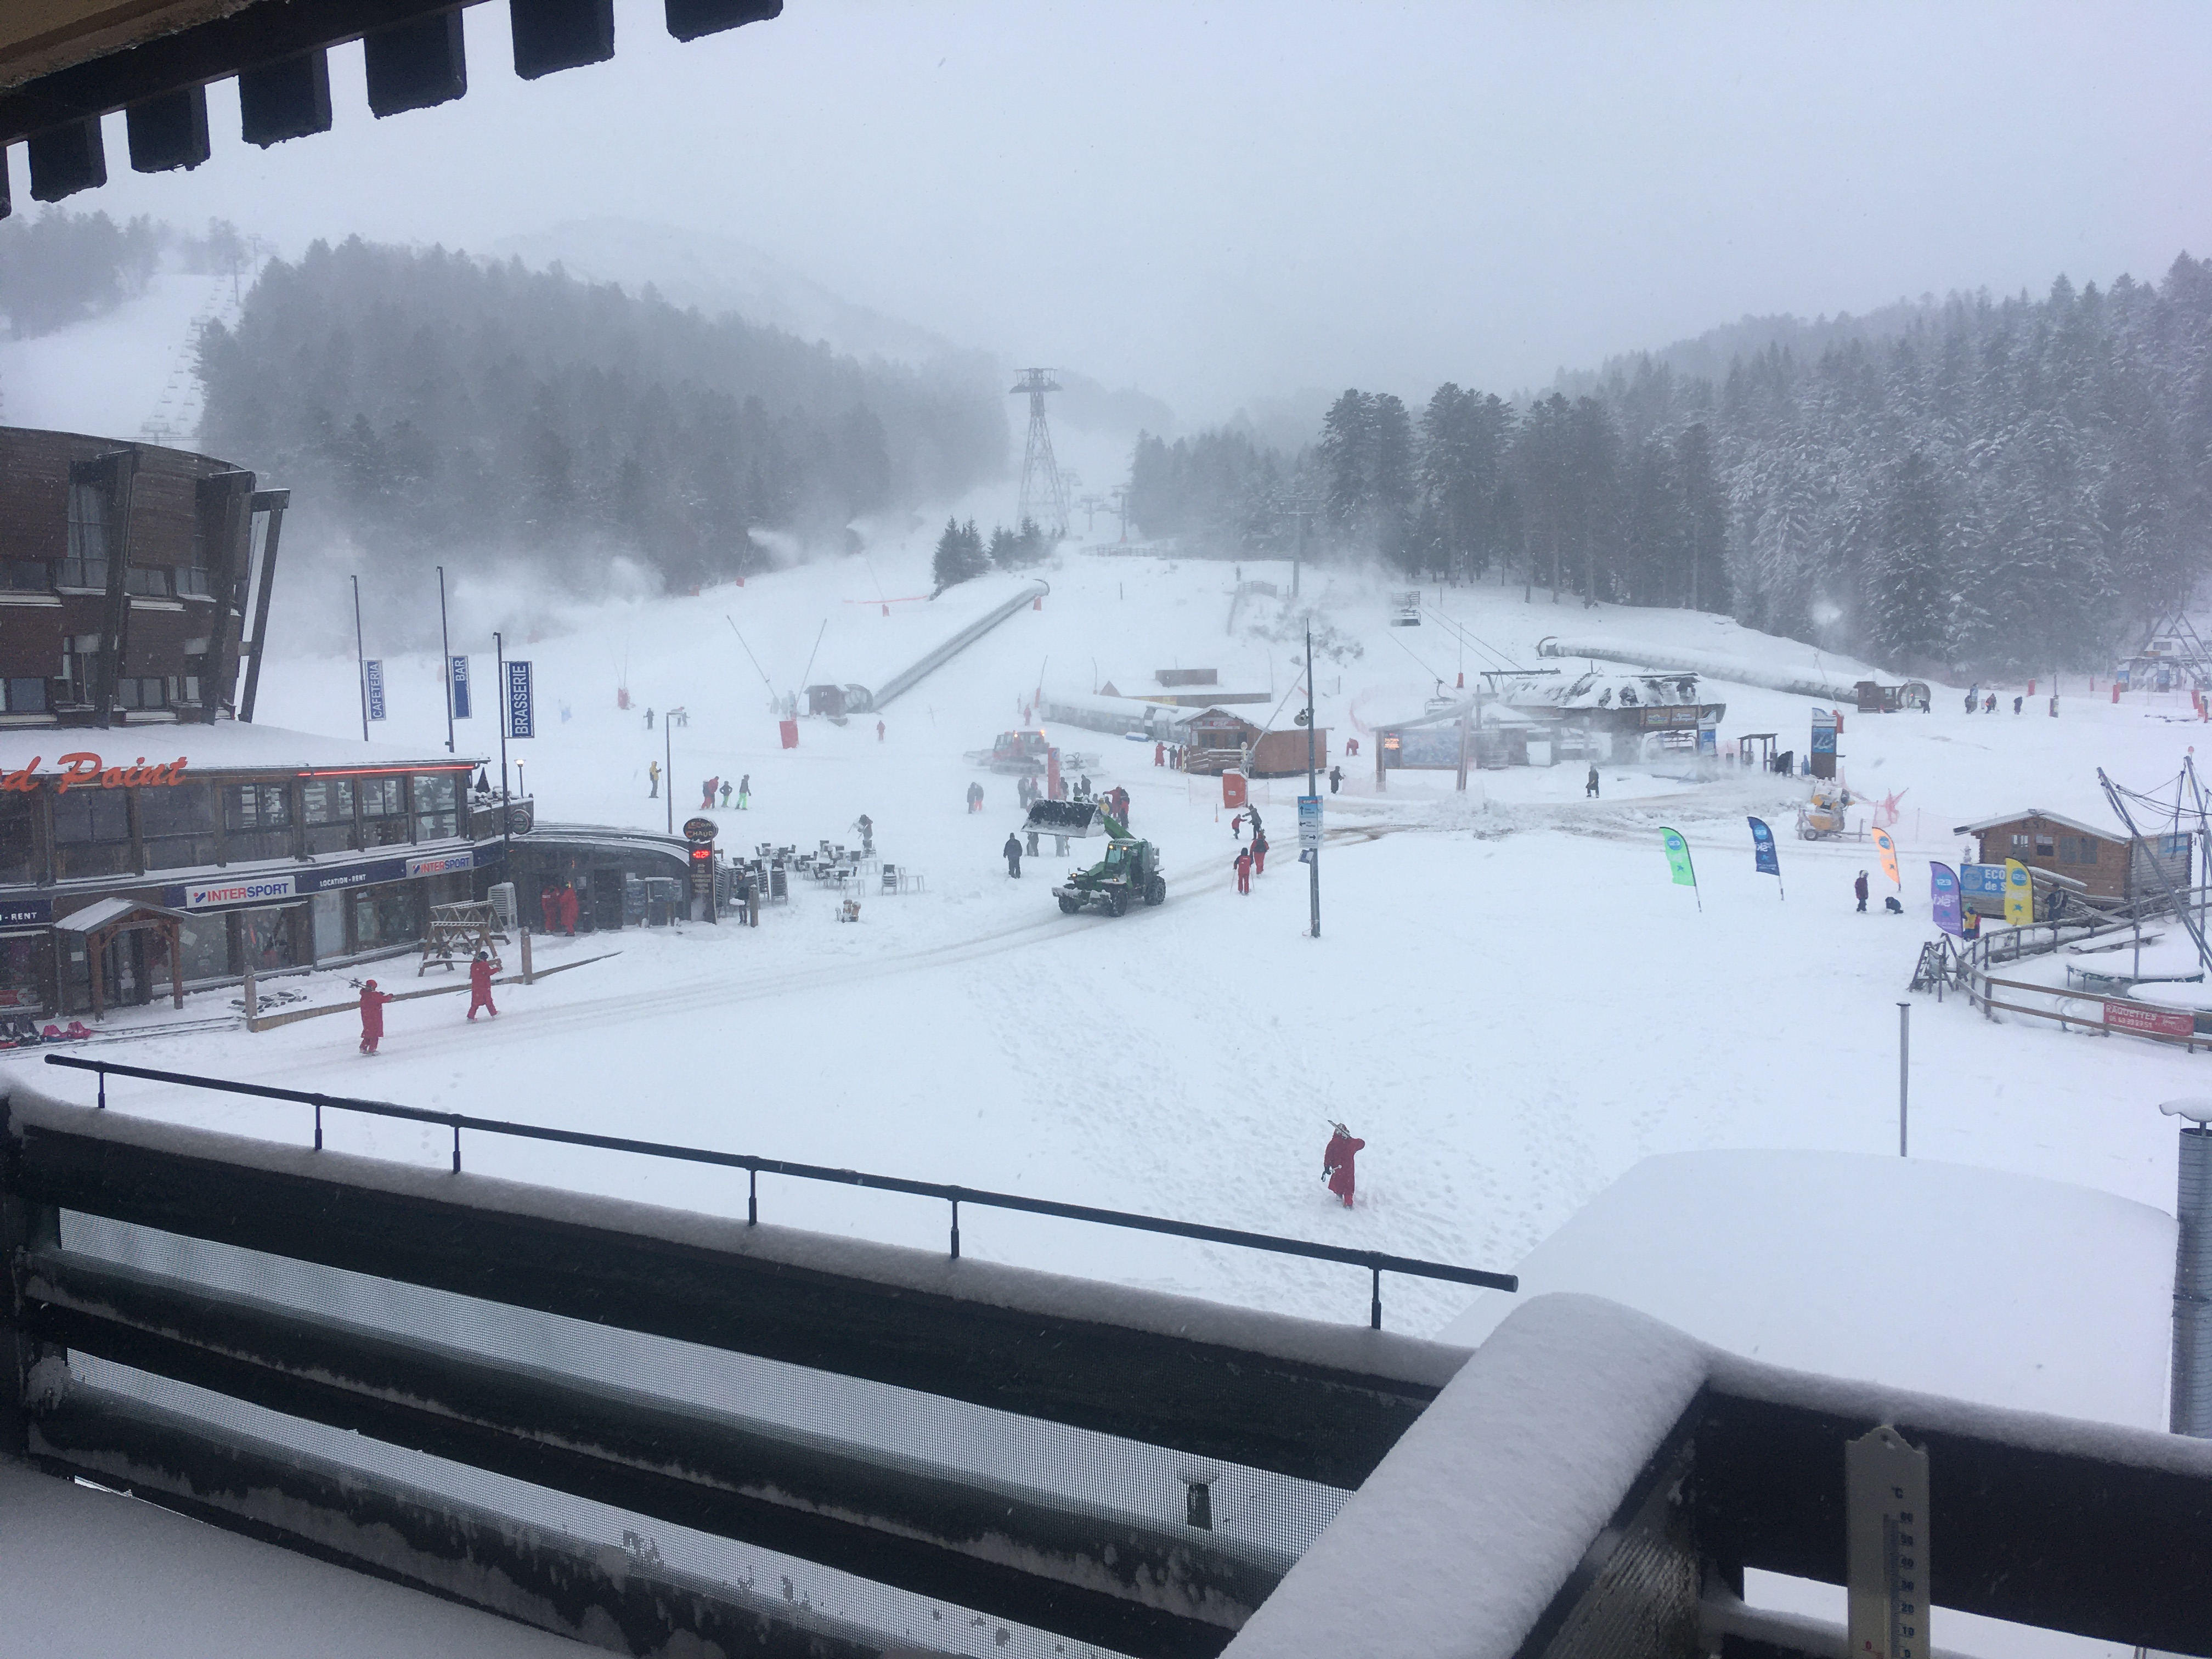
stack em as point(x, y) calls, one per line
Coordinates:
point(1258, 851)
point(1244, 870)
point(1336, 1162)
point(1159, 753)
point(569, 911)
point(480, 985)
point(371, 1016)
point(549, 902)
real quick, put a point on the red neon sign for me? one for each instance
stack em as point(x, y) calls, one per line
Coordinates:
point(81, 769)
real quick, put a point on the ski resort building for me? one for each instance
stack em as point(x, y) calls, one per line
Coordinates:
point(126, 575)
point(1216, 740)
point(265, 848)
point(2097, 862)
point(1633, 711)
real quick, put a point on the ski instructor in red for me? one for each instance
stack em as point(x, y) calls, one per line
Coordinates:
point(480, 985)
point(1336, 1162)
point(371, 1016)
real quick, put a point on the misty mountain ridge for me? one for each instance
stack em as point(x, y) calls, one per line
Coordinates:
point(720, 275)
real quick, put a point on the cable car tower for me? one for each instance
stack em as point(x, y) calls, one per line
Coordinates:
point(1044, 491)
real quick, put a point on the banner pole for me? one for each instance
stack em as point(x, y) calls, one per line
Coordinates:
point(445, 666)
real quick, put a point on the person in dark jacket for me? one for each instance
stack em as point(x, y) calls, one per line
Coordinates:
point(1860, 887)
point(1259, 849)
point(1012, 852)
point(480, 985)
point(1335, 778)
point(1589, 784)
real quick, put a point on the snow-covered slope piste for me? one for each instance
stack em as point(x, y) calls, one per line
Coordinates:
point(1839, 679)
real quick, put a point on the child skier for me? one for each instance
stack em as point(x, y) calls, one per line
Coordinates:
point(1336, 1162)
point(371, 1016)
point(728, 789)
point(480, 985)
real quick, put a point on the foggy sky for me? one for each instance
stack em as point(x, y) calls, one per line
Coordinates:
point(1224, 201)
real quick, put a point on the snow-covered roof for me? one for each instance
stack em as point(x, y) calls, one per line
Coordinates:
point(100, 913)
point(2048, 816)
point(1601, 688)
point(2027, 1293)
point(226, 746)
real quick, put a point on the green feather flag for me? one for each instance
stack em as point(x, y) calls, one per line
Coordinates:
point(1678, 861)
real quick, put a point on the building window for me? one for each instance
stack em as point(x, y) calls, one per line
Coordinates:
point(80, 666)
point(267, 938)
point(195, 582)
point(23, 695)
point(383, 812)
point(88, 508)
point(18, 846)
point(2019, 847)
point(22, 982)
point(258, 820)
point(178, 825)
point(387, 915)
point(142, 691)
point(147, 580)
point(2045, 846)
point(2077, 849)
point(327, 806)
point(26, 575)
point(437, 806)
point(92, 833)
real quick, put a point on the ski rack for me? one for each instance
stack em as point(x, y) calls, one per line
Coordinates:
point(1377, 1262)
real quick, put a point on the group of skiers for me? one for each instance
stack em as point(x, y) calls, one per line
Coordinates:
point(1988, 702)
point(558, 905)
point(742, 789)
point(1251, 860)
point(373, 1001)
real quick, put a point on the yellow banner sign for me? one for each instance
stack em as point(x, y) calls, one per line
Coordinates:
point(2020, 893)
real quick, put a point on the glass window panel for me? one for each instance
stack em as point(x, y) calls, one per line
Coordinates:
point(17, 816)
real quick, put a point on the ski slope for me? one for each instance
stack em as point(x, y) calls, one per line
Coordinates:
point(1509, 1000)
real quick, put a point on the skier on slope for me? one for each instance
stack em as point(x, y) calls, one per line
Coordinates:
point(1335, 778)
point(1859, 887)
point(653, 777)
point(706, 794)
point(744, 792)
point(480, 985)
point(371, 1016)
point(1012, 852)
point(728, 789)
point(1336, 1162)
point(1589, 784)
point(1243, 869)
point(1259, 849)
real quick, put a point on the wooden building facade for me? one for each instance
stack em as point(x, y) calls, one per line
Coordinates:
point(133, 581)
point(2098, 859)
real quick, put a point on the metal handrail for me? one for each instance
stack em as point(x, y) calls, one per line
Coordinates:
point(1375, 1262)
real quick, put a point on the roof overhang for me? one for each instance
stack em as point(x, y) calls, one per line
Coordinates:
point(65, 63)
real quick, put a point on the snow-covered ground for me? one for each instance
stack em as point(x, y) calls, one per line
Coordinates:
point(1509, 1000)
